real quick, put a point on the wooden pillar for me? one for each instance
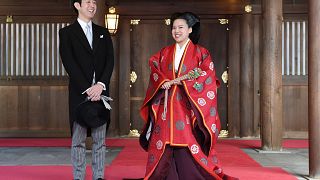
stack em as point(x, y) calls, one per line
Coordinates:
point(313, 88)
point(271, 76)
point(234, 77)
point(246, 76)
point(124, 76)
point(101, 11)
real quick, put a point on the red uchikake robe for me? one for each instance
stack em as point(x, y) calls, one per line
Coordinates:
point(192, 119)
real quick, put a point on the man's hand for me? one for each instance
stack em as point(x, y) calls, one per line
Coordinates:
point(94, 92)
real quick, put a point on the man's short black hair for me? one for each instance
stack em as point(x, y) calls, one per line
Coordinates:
point(72, 4)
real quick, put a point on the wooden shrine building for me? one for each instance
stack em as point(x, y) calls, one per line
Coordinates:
point(266, 54)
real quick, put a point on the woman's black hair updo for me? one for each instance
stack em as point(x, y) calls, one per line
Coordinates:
point(192, 20)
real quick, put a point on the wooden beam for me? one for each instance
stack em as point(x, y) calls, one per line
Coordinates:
point(271, 76)
point(314, 86)
point(143, 7)
point(166, 7)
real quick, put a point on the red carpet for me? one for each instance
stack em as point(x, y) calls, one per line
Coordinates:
point(65, 142)
point(130, 162)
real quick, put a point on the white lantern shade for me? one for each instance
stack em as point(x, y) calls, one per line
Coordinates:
point(111, 21)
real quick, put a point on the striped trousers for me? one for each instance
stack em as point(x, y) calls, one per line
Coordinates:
point(78, 151)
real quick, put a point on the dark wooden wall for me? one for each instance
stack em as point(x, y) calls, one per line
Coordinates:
point(147, 38)
point(34, 108)
point(295, 107)
point(38, 107)
point(295, 91)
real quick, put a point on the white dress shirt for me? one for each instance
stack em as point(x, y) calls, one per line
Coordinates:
point(84, 25)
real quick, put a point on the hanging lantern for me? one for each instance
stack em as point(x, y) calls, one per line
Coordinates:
point(111, 21)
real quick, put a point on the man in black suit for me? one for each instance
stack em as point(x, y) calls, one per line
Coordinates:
point(86, 51)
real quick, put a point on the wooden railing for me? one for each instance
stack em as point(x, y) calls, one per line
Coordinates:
point(294, 48)
point(30, 49)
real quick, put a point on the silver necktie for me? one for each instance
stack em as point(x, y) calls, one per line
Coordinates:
point(89, 34)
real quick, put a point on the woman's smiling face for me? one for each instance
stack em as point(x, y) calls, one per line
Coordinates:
point(180, 31)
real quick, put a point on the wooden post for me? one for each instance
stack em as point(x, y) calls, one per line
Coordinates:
point(246, 76)
point(234, 78)
point(271, 76)
point(313, 88)
point(101, 11)
point(124, 77)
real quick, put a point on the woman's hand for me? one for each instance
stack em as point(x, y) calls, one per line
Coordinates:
point(176, 82)
point(166, 85)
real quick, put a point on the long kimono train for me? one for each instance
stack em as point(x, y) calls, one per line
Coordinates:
point(191, 122)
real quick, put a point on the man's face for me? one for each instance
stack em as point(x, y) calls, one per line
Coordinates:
point(87, 9)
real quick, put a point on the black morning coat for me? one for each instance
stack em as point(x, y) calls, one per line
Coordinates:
point(81, 61)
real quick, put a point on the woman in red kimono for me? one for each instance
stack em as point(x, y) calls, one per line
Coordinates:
point(180, 108)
